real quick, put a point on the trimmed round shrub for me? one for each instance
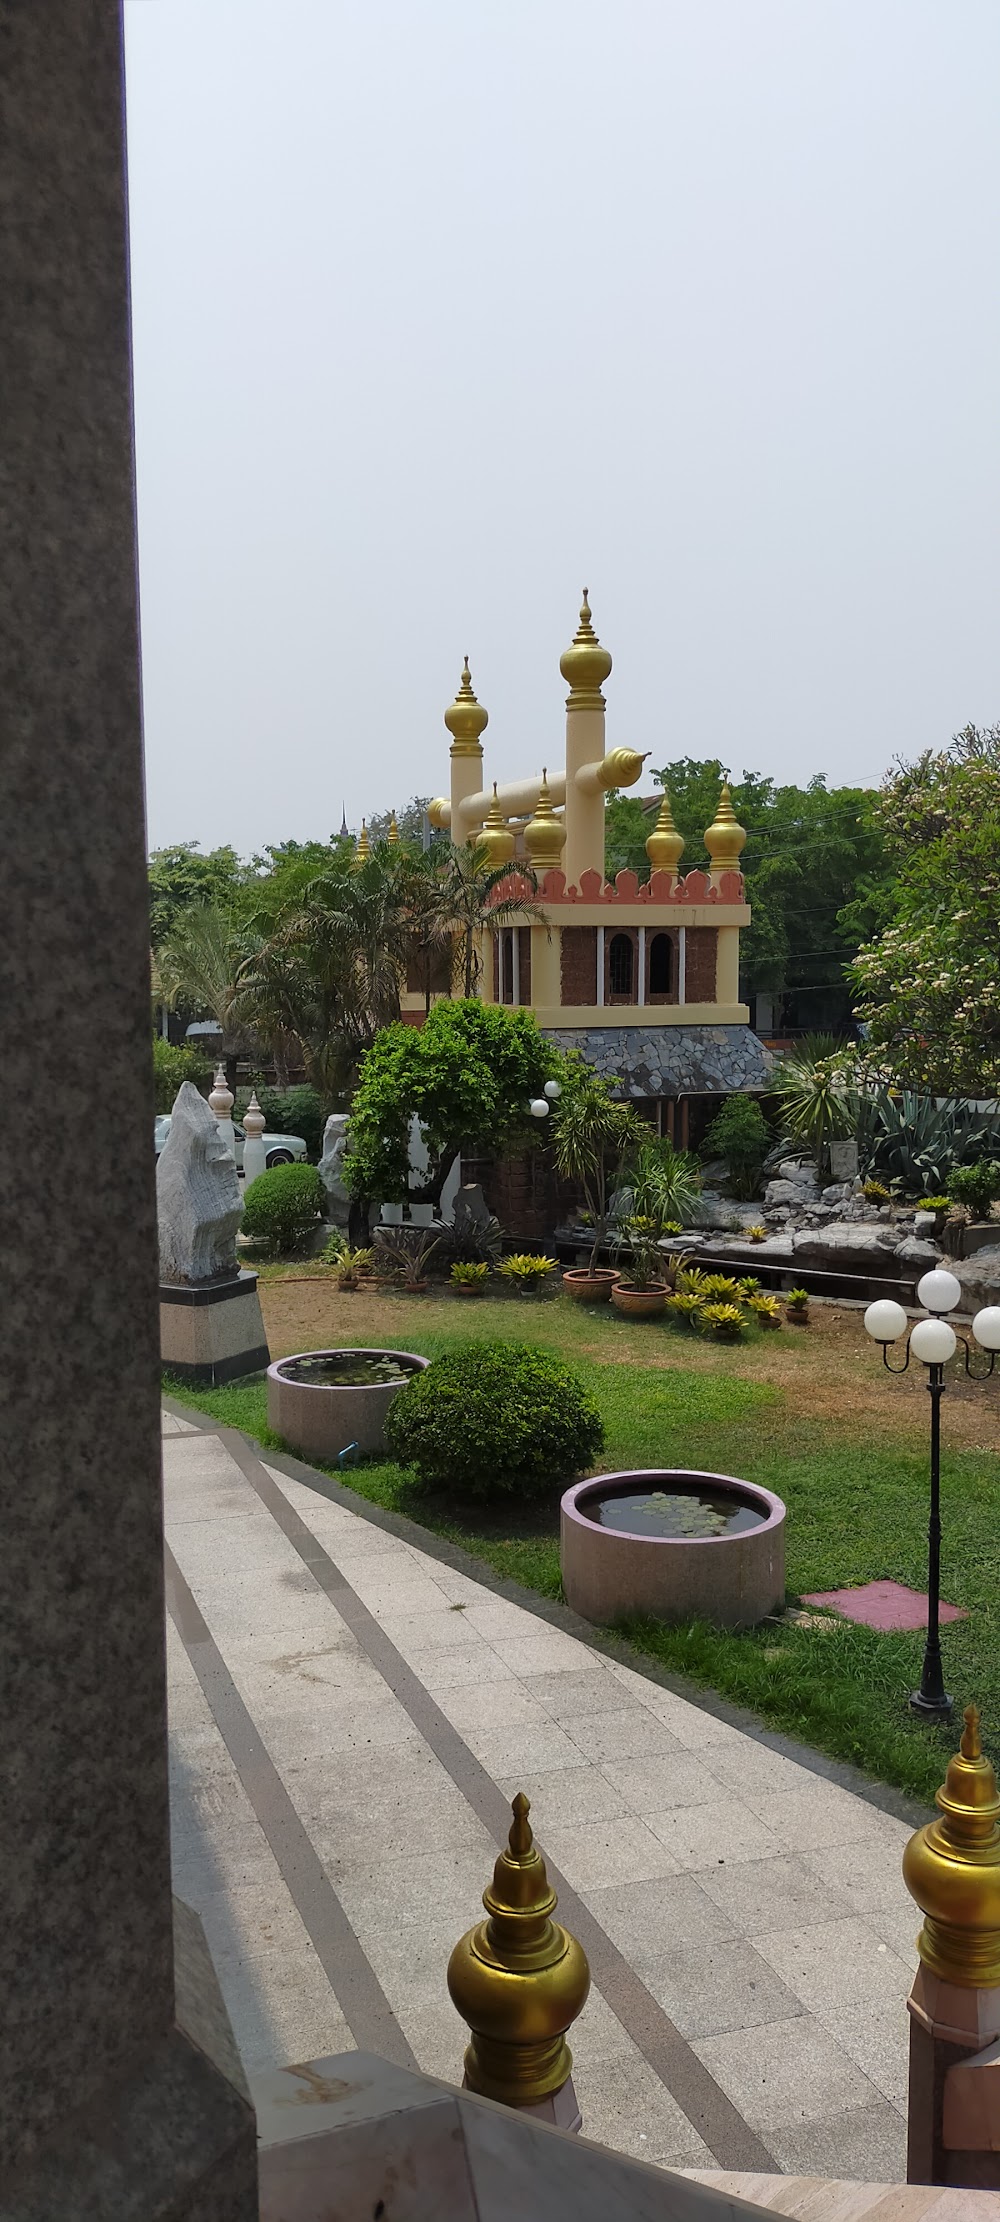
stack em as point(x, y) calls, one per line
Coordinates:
point(495, 1419)
point(281, 1205)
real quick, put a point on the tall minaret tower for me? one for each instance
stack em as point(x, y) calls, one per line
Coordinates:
point(466, 721)
point(586, 665)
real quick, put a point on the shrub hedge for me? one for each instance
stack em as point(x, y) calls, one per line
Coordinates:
point(495, 1419)
point(281, 1205)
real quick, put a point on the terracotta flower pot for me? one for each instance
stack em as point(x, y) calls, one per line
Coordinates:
point(467, 1288)
point(639, 1303)
point(796, 1315)
point(589, 1288)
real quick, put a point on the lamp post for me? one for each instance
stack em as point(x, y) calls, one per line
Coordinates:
point(934, 1342)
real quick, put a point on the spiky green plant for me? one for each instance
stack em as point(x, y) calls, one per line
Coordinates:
point(724, 1321)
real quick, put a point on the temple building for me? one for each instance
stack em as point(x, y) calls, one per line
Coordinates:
point(642, 976)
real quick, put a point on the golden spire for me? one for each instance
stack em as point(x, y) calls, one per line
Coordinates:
point(585, 664)
point(665, 845)
point(544, 834)
point(519, 1979)
point(725, 837)
point(393, 833)
point(952, 1869)
point(495, 835)
point(362, 848)
point(466, 719)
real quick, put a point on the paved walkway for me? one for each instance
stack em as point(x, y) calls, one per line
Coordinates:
point(349, 1720)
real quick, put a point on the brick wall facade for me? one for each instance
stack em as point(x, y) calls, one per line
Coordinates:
point(524, 1193)
point(578, 965)
point(702, 949)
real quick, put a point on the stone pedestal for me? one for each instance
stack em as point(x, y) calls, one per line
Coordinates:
point(109, 2106)
point(213, 1333)
point(953, 2116)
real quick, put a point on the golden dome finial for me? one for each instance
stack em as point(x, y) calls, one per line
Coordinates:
point(952, 1869)
point(393, 833)
point(519, 1980)
point(544, 834)
point(665, 846)
point(725, 838)
point(362, 848)
point(466, 718)
point(585, 664)
point(495, 835)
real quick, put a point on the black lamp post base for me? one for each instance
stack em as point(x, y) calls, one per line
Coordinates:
point(931, 1708)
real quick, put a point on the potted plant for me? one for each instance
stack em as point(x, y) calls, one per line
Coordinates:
point(766, 1310)
point(469, 1278)
point(940, 1206)
point(797, 1307)
point(724, 1321)
point(641, 1290)
point(350, 1265)
point(590, 1137)
point(526, 1272)
point(686, 1305)
point(405, 1252)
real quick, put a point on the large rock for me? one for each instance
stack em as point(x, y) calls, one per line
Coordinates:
point(330, 1168)
point(846, 1249)
point(198, 1200)
point(917, 1255)
point(979, 1277)
point(790, 1192)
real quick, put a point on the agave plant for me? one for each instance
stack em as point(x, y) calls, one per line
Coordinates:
point(816, 1102)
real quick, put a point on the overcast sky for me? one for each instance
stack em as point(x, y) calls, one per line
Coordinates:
point(442, 311)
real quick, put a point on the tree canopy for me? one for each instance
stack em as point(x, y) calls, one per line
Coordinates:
point(928, 985)
point(468, 1074)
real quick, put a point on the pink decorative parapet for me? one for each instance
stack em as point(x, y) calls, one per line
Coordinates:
point(661, 887)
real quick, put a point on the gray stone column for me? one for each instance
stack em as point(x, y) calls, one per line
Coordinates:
point(106, 2104)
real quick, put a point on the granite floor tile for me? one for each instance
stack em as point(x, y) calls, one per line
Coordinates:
point(866, 2144)
point(836, 1964)
point(403, 1801)
point(565, 1794)
point(593, 1854)
point(598, 2034)
point(820, 1813)
point(621, 1735)
point(899, 1930)
point(492, 1706)
point(768, 1895)
point(708, 1988)
point(280, 2009)
point(459, 1667)
point(574, 1693)
point(879, 2044)
point(799, 2075)
point(723, 1835)
point(754, 1770)
point(867, 1873)
point(437, 2037)
point(645, 1918)
point(394, 1892)
point(625, 2105)
point(536, 1654)
point(527, 1747)
point(437, 1630)
point(663, 1780)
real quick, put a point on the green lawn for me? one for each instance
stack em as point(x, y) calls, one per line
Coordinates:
point(857, 1504)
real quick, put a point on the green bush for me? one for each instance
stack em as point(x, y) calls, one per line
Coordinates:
point(281, 1205)
point(171, 1066)
point(739, 1133)
point(976, 1186)
point(289, 1111)
point(494, 1419)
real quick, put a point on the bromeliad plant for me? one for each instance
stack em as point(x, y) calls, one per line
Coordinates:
point(724, 1321)
point(766, 1310)
point(685, 1305)
point(526, 1271)
point(469, 1275)
point(351, 1264)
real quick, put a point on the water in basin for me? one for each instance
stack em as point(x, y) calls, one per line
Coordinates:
point(348, 1369)
point(675, 1511)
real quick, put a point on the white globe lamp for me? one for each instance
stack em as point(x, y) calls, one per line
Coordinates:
point(986, 1327)
point(539, 1108)
point(939, 1291)
point(885, 1321)
point(553, 1089)
point(933, 1342)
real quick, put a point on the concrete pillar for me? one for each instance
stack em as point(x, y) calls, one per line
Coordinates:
point(466, 721)
point(106, 2101)
point(586, 665)
point(546, 978)
point(727, 965)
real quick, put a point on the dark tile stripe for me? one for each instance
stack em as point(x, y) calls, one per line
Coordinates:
point(733, 2144)
point(352, 1979)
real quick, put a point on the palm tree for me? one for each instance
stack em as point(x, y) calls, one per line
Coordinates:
point(195, 969)
point(328, 967)
point(468, 904)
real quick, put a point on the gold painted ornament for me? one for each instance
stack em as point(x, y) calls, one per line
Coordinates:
point(952, 1869)
point(544, 834)
point(519, 1980)
point(585, 664)
point(466, 718)
point(665, 846)
point(725, 838)
point(495, 835)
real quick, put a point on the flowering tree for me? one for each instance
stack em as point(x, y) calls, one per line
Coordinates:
point(930, 985)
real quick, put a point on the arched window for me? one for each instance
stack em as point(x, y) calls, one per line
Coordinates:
point(660, 954)
point(620, 965)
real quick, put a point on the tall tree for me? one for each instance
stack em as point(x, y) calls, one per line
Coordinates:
point(929, 985)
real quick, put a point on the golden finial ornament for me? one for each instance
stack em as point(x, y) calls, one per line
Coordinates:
point(585, 664)
point(466, 719)
point(544, 834)
point(495, 835)
point(952, 1869)
point(519, 1980)
point(725, 838)
point(665, 846)
point(362, 848)
point(393, 834)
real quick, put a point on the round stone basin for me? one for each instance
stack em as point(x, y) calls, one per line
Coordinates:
point(323, 1401)
point(674, 1545)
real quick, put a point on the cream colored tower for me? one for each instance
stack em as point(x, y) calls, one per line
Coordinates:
point(466, 721)
point(586, 665)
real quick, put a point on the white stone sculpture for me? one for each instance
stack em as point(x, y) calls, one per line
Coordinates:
point(221, 1102)
point(330, 1168)
point(198, 1201)
point(254, 1153)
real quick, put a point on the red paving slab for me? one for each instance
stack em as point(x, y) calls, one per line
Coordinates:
point(888, 1606)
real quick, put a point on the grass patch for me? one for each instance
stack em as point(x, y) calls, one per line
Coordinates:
point(857, 1504)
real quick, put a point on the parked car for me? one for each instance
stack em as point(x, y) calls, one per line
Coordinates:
point(281, 1149)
